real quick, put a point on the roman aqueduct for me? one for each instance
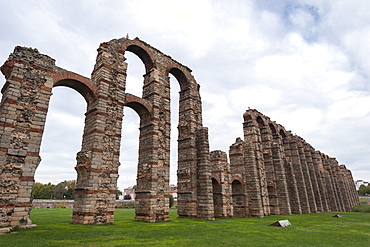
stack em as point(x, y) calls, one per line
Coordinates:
point(271, 171)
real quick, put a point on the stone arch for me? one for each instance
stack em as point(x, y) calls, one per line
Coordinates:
point(144, 110)
point(105, 174)
point(260, 122)
point(217, 197)
point(181, 78)
point(140, 49)
point(237, 178)
point(139, 105)
point(144, 56)
point(239, 198)
point(190, 133)
point(154, 145)
point(272, 128)
point(81, 84)
point(282, 133)
point(87, 90)
point(216, 179)
point(216, 185)
point(36, 76)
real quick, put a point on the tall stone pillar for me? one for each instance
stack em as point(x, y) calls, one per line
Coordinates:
point(253, 186)
point(194, 177)
point(315, 187)
point(330, 187)
point(295, 203)
point(301, 183)
point(338, 181)
point(349, 195)
point(281, 182)
point(187, 157)
point(319, 171)
point(252, 137)
point(334, 180)
point(152, 201)
point(266, 142)
point(306, 175)
point(345, 191)
point(98, 160)
point(23, 110)
point(352, 188)
point(205, 209)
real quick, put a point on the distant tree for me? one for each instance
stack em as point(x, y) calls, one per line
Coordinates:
point(118, 193)
point(59, 190)
point(70, 192)
point(172, 201)
point(364, 190)
point(63, 190)
point(43, 191)
point(134, 187)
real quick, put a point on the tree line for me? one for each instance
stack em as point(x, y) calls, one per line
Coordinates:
point(62, 190)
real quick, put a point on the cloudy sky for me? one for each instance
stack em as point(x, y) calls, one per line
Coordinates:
point(305, 64)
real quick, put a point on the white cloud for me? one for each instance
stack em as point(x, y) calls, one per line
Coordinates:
point(354, 106)
point(302, 63)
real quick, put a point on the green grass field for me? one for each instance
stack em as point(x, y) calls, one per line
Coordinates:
point(318, 229)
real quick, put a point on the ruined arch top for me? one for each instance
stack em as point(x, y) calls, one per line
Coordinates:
point(260, 120)
point(153, 59)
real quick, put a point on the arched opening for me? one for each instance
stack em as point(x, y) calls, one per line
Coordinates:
point(80, 87)
point(135, 72)
point(260, 122)
point(129, 154)
point(180, 167)
point(130, 132)
point(180, 77)
point(62, 139)
point(174, 84)
point(217, 198)
point(239, 200)
point(272, 128)
point(143, 55)
point(282, 133)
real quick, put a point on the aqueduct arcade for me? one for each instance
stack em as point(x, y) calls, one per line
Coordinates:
point(271, 171)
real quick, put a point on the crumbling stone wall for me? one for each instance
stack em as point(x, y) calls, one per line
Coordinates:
point(30, 78)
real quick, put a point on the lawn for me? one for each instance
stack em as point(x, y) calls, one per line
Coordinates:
point(318, 229)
